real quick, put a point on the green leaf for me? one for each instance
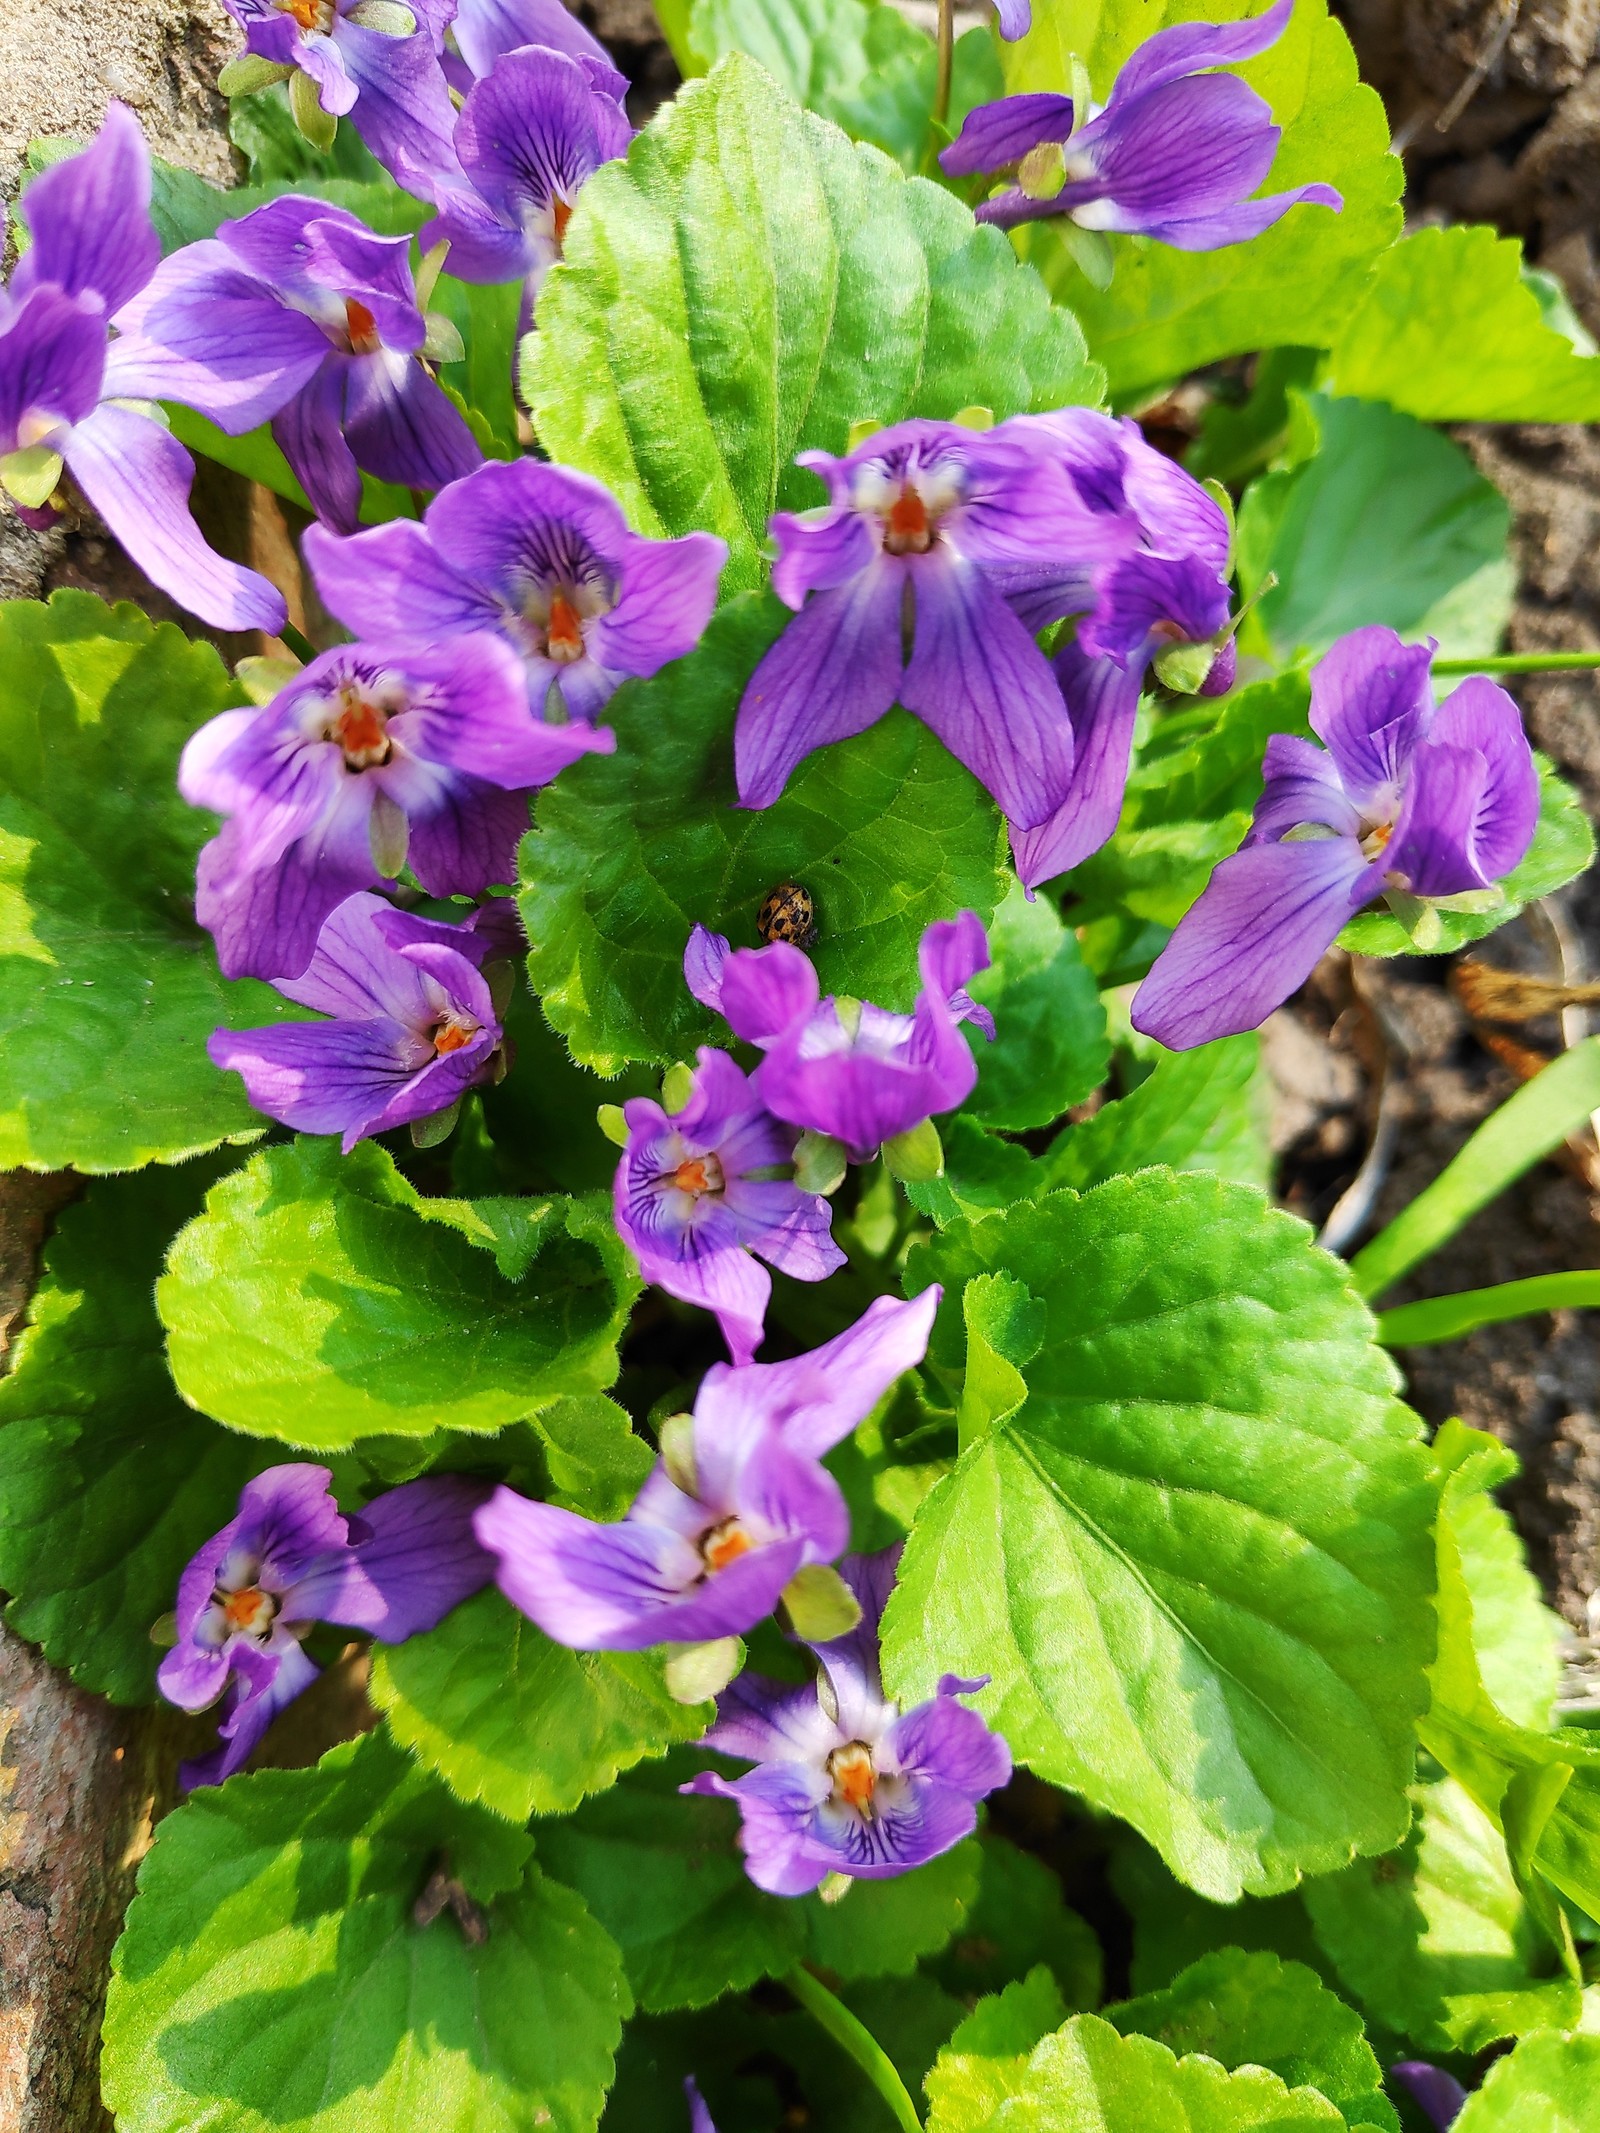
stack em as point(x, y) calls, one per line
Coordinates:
point(524, 1725)
point(886, 831)
point(1388, 522)
point(711, 321)
point(1084, 2078)
point(1050, 1046)
point(320, 1299)
point(1168, 312)
point(884, 1928)
point(986, 2059)
point(662, 1873)
point(981, 1172)
point(857, 62)
point(1449, 329)
point(271, 1974)
point(1197, 1563)
point(1516, 1637)
point(1434, 1941)
point(108, 989)
point(1200, 1110)
point(1563, 846)
point(1005, 1326)
point(1252, 2009)
point(1547, 2085)
point(108, 1483)
point(1019, 1921)
point(1527, 1126)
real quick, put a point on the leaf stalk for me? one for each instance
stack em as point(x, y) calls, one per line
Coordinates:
point(831, 2014)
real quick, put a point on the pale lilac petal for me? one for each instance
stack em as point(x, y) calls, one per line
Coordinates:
point(275, 1679)
point(778, 1804)
point(945, 1742)
point(138, 476)
point(1481, 715)
point(1430, 851)
point(402, 109)
point(357, 972)
point(52, 360)
point(771, 1722)
point(287, 1519)
point(1302, 786)
point(1176, 515)
point(833, 673)
point(669, 589)
point(1192, 46)
point(309, 431)
point(322, 1077)
point(951, 951)
point(1102, 699)
point(817, 551)
point(401, 427)
point(264, 920)
point(392, 581)
point(979, 680)
point(467, 708)
point(1236, 225)
point(703, 963)
point(1255, 935)
point(763, 991)
point(627, 1586)
point(318, 56)
point(1371, 704)
point(1015, 18)
point(413, 1557)
point(89, 217)
point(699, 2116)
point(212, 337)
point(994, 136)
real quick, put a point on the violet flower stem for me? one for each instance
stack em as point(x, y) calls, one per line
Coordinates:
point(831, 2014)
point(1521, 663)
point(947, 39)
point(298, 643)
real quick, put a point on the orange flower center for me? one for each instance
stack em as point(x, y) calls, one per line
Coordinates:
point(250, 1610)
point(700, 1173)
point(1376, 838)
point(560, 215)
point(451, 1036)
point(906, 530)
point(854, 1779)
point(361, 730)
point(362, 328)
point(564, 631)
point(725, 1544)
point(310, 14)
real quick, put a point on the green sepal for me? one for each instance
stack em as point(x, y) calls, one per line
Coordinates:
point(916, 1157)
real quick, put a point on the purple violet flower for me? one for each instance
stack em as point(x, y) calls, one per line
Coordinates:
point(290, 1559)
point(1175, 154)
point(699, 2116)
point(701, 1189)
point(920, 521)
point(845, 1068)
point(375, 61)
point(372, 758)
point(1438, 2093)
point(529, 135)
point(1150, 583)
point(414, 1025)
point(297, 313)
point(543, 556)
point(66, 396)
point(729, 1514)
point(485, 30)
point(1403, 799)
point(844, 1782)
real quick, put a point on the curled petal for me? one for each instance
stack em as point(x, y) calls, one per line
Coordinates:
point(1253, 937)
point(1146, 600)
point(1371, 705)
point(264, 1684)
point(1431, 850)
point(400, 426)
point(1237, 225)
point(994, 136)
point(1102, 700)
point(323, 1077)
point(1481, 716)
point(413, 1557)
point(764, 991)
point(1191, 46)
point(818, 550)
point(703, 962)
point(52, 360)
point(309, 431)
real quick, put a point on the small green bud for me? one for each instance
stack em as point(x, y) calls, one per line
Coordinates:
point(429, 268)
point(318, 126)
point(429, 1132)
point(1043, 171)
point(261, 679)
point(164, 1629)
point(390, 18)
point(819, 1162)
point(860, 431)
point(1081, 90)
point(31, 475)
point(249, 73)
point(915, 1157)
point(1183, 667)
point(1091, 249)
point(820, 1604)
point(388, 834)
point(677, 1086)
point(698, 1671)
point(974, 418)
point(443, 342)
point(676, 1439)
point(612, 1124)
point(835, 1888)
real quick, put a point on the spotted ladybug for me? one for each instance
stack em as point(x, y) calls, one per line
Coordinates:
point(787, 914)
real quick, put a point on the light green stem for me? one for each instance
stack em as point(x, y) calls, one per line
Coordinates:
point(831, 2014)
point(1448, 1318)
point(1521, 663)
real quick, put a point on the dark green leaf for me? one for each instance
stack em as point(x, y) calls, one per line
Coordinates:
point(320, 1299)
point(108, 989)
point(711, 321)
point(857, 62)
point(1019, 1920)
point(1197, 1563)
point(108, 1483)
point(272, 1974)
point(886, 831)
point(1050, 1046)
point(1200, 1110)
